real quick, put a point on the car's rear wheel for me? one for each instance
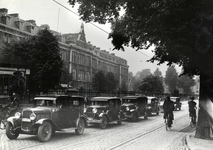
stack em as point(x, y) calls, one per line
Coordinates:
point(80, 127)
point(103, 123)
point(9, 131)
point(45, 132)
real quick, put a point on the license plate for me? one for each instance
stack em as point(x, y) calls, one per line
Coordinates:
point(26, 120)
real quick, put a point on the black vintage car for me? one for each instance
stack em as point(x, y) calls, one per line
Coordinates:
point(50, 114)
point(134, 107)
point(153, 106)
point(104, 110)
point(177, 103)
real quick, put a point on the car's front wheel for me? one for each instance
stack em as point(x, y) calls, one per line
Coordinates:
point(9, 131)
point(119, 119)
point(80, 127)
point(103, 123)
point(45, 132)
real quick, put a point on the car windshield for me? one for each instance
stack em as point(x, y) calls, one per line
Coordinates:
point(100, 103)
point(130, 101)
point(42, 102)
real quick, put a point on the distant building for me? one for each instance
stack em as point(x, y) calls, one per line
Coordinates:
point(81, 58)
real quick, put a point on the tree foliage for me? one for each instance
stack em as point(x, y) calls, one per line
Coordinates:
point(171, 79)
point(41, 53)
point(186, 83)
point(111, 82)
point(152, 84)
point(99, 81)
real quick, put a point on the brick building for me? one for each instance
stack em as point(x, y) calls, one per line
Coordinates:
point(80, 57)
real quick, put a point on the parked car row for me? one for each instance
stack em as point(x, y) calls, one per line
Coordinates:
point(55, 113)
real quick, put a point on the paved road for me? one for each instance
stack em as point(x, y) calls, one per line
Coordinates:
point(144, 134)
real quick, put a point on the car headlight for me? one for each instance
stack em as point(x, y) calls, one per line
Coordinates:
point(127, 108)
point(32, 116)
point(94, 110)
point(17, 115)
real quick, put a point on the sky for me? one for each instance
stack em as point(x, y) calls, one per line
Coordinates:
point(62, 17)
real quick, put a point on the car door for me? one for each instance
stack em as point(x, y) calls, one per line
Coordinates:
point(113, 108)
point(63, 112)
point(74, 111)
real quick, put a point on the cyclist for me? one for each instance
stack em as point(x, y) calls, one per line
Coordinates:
point(168, 107)
point(192, 109)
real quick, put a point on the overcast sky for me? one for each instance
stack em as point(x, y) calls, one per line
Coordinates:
point(61, 17)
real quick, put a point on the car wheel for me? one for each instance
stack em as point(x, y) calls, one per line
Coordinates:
point(145, 116)
point(45, 132)
point(80, 127)
point(103, 123)
point(9, 131)
point(135, 117)
point(119, 119)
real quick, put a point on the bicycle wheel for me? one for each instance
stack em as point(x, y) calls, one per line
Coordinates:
point(166, 124)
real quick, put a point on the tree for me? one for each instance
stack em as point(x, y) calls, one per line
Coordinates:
point(41, 53)
point(185, 83)
point(152, 84)
point(99, 81)
point(66, 77)
point(157, 73)
point(111, 82)
point(181, 32)
point(171, 79)
point(140, 75)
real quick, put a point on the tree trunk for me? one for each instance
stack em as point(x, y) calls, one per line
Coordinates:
point(205, 109)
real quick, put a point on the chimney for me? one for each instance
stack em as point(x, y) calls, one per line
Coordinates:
point(16, 15)
point(3, 10)
point(31, 21)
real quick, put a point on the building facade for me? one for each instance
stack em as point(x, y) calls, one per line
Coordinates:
point(80, 57)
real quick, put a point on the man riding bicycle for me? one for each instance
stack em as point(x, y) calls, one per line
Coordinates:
point(192, 109)
point(168, 107)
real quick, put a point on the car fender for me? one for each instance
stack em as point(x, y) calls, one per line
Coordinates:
point(42, 121)
point(84, 119)
point(14, 121)
point(132, 110)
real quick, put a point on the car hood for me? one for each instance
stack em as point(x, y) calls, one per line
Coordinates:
point(41, 109)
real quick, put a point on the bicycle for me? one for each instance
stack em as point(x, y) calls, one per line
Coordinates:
point(3, 118)
point(168, 122)
point(192, 121)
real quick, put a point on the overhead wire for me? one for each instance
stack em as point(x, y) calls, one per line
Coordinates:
point(91, 23)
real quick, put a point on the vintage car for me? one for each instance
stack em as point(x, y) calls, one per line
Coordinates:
point(134, 107)
point(50, 114)
point(153, 106)
point(104, 110)
point(177, 102)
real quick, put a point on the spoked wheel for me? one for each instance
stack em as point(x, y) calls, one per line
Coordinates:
point(166, 125)
point(45, 132)
point(192, 124)
point(135, 117)
point(119, 120)
point(80, 127)
point(11, 134)
point(103, 123)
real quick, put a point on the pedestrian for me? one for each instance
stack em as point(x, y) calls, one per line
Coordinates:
point(192, 108)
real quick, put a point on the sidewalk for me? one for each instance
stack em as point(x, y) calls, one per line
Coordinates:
point(198, 144)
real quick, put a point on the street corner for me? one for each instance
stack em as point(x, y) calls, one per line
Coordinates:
point(193, 143)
